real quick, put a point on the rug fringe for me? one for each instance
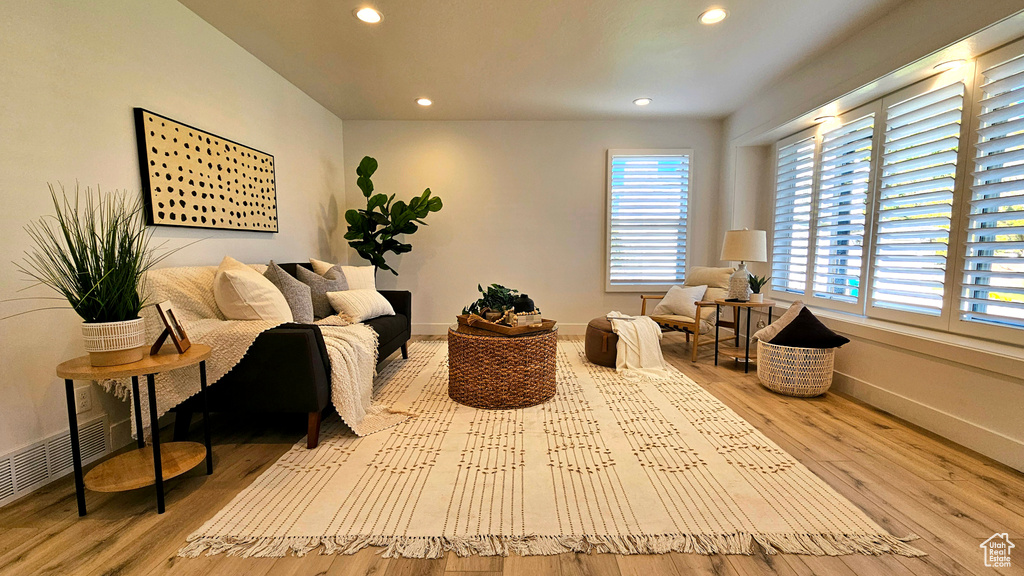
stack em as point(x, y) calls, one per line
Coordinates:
point(492, 545)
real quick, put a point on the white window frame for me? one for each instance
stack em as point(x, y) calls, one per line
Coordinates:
point(956, 324)
point(639, 288)
point(809, 297)
point(954, 248)
point(789, 295)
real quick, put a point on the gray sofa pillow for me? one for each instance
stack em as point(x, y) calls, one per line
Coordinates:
point(319, 286)
point(298, 295)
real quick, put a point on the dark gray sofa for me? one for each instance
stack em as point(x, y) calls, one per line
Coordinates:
point(287, 369)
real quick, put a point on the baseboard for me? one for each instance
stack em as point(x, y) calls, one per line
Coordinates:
point(427, 329)
point(978, 438)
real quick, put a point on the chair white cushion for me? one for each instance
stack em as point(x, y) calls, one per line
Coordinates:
point(680, 301)
point(772, 330)
point(244, 294)
point(360, 305)
point(704, 327)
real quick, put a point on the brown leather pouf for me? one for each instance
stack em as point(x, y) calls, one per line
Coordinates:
point(601, 341)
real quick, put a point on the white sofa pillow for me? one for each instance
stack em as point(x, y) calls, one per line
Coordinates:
point(320, 267)
point(360, 305)
point(360, 277)
point(244, 294)
point(772, 330)
point(680, 301)
point(357, 277)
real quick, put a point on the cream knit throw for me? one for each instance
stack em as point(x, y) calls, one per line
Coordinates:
point(638, 351)
point(352, 349)
point(607, 465)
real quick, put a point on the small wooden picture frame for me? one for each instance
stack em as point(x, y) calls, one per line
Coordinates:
point(172, 328)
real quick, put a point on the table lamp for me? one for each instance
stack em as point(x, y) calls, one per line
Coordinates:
point(743, 246)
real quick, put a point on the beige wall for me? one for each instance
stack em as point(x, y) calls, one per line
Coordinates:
point(931, 385)
point(524, 207)
point(72, 71)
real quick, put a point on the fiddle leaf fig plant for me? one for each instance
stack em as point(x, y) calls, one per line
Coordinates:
point(373, 231)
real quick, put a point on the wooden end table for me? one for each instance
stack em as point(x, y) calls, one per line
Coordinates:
point(145, 465)
point(737, 351)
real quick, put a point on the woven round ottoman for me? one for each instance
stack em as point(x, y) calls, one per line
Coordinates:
point(802, 372)
point(496, 372)
point(600, 342)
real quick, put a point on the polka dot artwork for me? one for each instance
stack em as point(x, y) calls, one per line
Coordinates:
point(197, 179)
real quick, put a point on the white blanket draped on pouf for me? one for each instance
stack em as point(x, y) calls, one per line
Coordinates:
point(638, 351)
point(352, 349)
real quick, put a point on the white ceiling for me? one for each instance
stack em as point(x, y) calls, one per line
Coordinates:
point(534, 59)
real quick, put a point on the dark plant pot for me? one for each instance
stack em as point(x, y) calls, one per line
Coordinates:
point(522, 303)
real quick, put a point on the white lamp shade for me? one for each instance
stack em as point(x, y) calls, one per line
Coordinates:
point(745, 246)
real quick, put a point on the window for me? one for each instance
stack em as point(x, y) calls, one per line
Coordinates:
point(915, 197)
point(792, 231)
point(992, 293)
point(911, 208)
point(844, 174)
point(647, 209)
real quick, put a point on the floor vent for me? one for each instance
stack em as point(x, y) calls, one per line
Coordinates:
point(42, 462)
point(6, 480)
point(30, 468)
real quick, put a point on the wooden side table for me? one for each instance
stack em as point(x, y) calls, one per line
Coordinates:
point(737, 351)
point(146, 465)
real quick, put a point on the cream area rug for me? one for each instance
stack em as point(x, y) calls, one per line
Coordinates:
point(609, 465)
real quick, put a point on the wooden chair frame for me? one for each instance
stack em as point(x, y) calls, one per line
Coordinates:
point(690, 327)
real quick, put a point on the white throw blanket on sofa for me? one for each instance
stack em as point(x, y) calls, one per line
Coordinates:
point(638, 351)
point(352, 349)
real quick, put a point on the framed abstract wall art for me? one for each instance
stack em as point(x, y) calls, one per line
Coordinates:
point(193, 178)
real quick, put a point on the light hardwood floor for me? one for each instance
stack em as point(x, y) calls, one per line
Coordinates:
point(906, 479)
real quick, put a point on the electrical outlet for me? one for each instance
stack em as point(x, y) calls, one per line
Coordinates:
point(83, 400)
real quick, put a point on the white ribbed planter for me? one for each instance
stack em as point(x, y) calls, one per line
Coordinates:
point(113, 343)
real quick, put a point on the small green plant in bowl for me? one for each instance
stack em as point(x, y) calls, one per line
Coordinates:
point(756, 284)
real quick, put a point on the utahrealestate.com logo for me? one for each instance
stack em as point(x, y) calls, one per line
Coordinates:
point(997, 550)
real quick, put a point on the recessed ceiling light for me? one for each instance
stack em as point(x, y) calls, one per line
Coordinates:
point(369, 15)
point(424, 101)
point(823, 119)
point(712, 16)
point(949, 65)
point(642, 101)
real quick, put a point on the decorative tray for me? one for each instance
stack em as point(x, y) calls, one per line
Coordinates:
point(474, 321)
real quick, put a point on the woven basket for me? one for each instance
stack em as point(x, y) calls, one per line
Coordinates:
point(792, 371)
point(501, 372)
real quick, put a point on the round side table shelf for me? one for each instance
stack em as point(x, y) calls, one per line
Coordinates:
point(739, 352)
point(147, 465)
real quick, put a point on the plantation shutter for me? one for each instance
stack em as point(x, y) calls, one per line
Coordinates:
point(844, 174)
point(993, 286)
point(915, 200)
point(647, 223)
point(791, 237)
